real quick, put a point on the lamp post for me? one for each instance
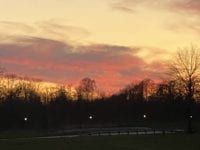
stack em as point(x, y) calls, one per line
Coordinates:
point(25, 122)
point(144, 119)
point(91, 120)
point(190, 124)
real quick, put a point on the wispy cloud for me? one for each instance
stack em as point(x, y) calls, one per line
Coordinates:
point(135, 5)
point(185, 6)
point(45, 29)
point(180, 15)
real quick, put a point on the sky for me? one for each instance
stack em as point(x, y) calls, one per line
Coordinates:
point(114, 42)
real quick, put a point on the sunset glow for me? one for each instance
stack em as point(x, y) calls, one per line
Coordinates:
point(112, 41)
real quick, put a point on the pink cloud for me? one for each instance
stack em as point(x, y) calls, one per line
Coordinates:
point(111, 66)
point(192, 6)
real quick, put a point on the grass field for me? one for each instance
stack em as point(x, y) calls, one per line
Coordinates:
point(142, 142)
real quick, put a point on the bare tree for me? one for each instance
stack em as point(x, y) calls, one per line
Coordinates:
point(185, 68)
point(87, 88)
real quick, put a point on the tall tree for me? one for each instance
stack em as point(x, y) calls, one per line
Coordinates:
point(185, 68)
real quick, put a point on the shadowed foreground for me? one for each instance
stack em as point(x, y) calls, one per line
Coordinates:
point(146, 142)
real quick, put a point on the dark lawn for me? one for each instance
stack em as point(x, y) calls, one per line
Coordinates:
point(142, 142)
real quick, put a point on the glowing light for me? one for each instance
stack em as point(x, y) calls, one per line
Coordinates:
point(90, 117)
point(25, 119)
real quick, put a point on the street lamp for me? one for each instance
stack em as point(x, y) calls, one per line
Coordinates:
point(90, 117)
point(190, 124)
point(144, 116)
point(25, 119)
point(25, 122)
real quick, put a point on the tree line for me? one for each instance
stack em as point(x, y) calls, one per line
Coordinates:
point(23, 105)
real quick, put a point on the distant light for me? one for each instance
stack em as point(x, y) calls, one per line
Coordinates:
point(144, 116)
point(90, 117)
point(25, 118)
point(191, 116)
point(127, 98)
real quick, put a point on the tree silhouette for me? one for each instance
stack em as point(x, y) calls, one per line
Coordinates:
point(185, 69)
point(86, 89)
